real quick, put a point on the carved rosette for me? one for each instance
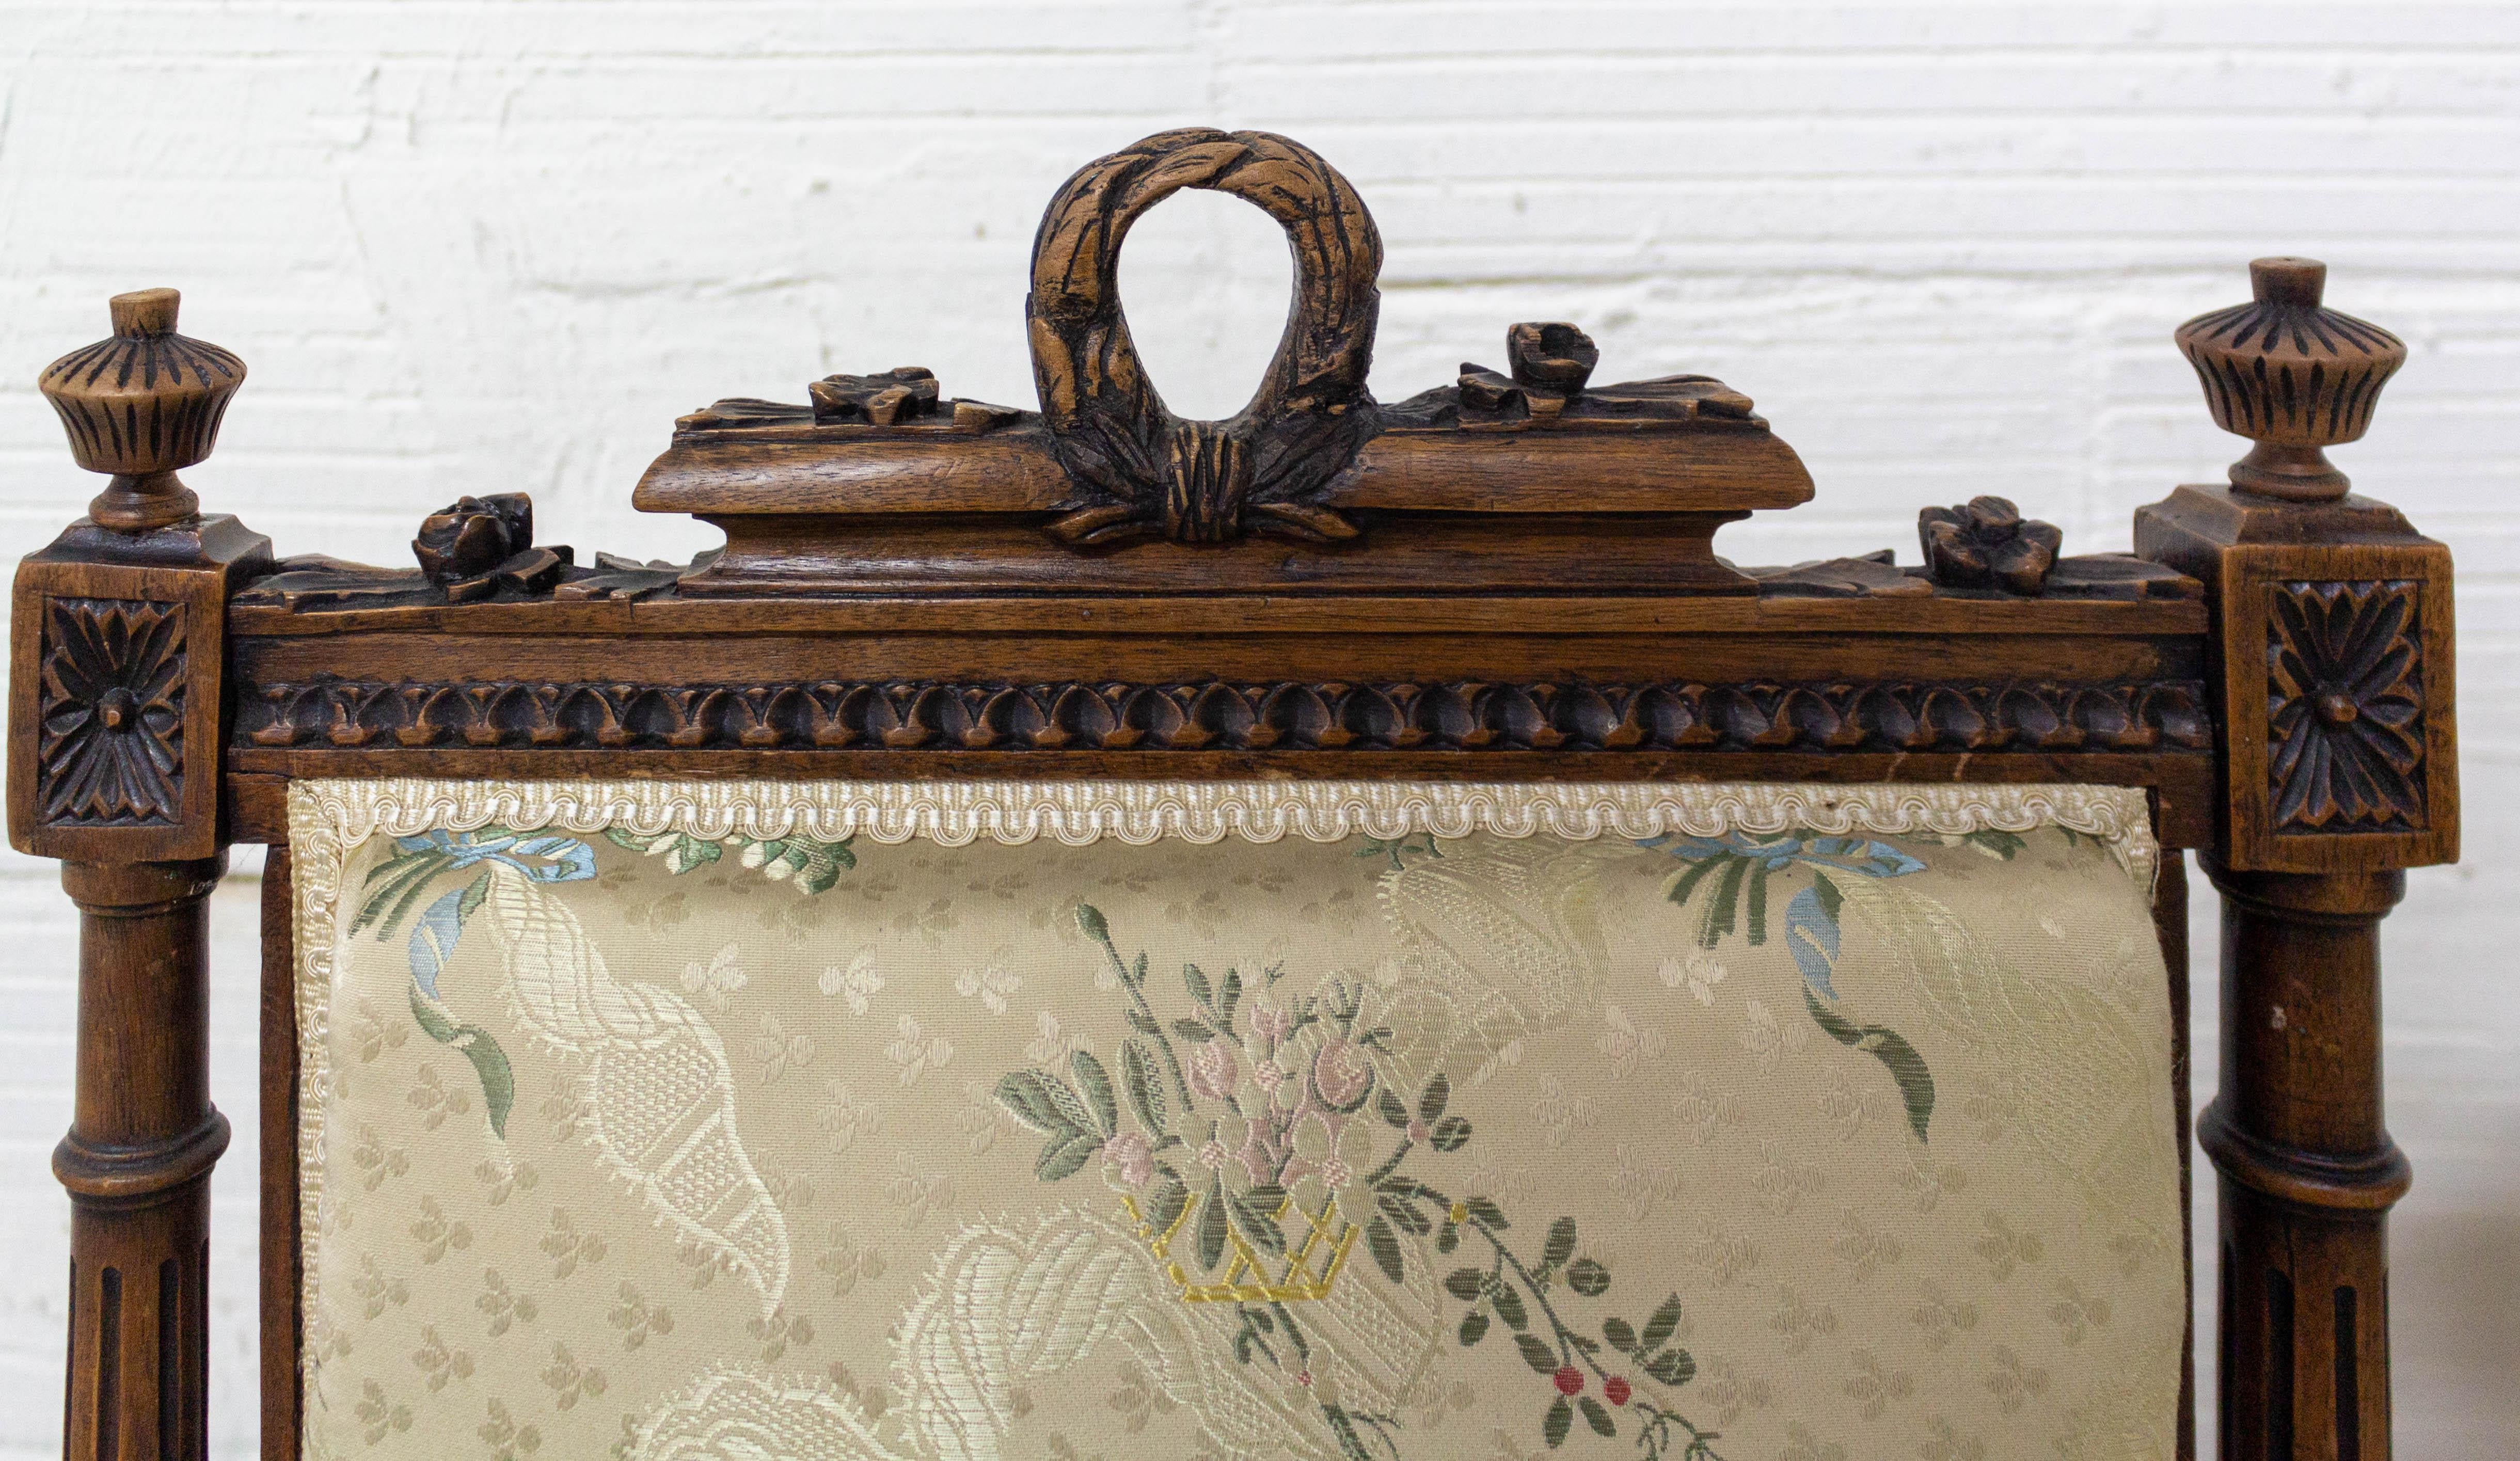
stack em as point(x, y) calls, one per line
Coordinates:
point(2345, 707)
point(112, 747)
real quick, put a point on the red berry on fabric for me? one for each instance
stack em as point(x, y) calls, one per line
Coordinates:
point(1616, 1388)
point(1569, 1380)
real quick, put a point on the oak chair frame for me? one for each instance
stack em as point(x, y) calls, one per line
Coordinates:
point(1509, 579)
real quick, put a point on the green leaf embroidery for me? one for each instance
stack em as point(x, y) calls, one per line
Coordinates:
point(1588, 1278)
point(1465, 1284)
point(1438, 1093)
point(1562, 1242)
point(1065, 1157)
point(1554, 1426)
point(1596, 1417)
point(1620, 1333)
point(1096, 1083)
point(1830, 899)
point(1684, 882)
point(1165, 1208)
point(489, 1062)
point(1720, 907)
point(1997, 843)
point(1887, 1045)
point(1536, 1354)
point(1138, 1078)
point(1026, 1093)
point(812, 864)
point(1672, 1368)
point(1475, 1327)
point(1663, 1325)
point(1508, 1306)
point(1385, 1247)
point(1211, 1227)
point(1255, 1217)
point(395, 899)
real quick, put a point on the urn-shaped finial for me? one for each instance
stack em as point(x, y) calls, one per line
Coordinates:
point(142, 405)
point(2290, 375)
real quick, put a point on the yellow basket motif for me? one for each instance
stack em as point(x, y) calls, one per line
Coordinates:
point(1306, 1271)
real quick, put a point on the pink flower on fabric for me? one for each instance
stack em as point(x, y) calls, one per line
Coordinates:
point(1341, 1073)
point(1213, 1071)
point(1128, 1160)
point(1271, 1021)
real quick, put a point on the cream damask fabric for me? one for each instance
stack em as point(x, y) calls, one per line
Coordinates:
point(964, 1122)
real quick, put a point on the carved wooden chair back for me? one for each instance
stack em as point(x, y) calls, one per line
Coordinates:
point(1510, 578)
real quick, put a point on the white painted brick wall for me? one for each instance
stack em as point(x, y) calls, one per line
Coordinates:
point(470, 247)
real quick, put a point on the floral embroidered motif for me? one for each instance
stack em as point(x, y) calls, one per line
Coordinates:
point(570, 1381)
point(568, 1246)
point(637, 1318)
point(438, 1363)
point(917, 1052)
point(855, 985)
point(508, 1440)
point(1252, 1147)
point(502, 1306)
point(437, 1234)
point(716, 983)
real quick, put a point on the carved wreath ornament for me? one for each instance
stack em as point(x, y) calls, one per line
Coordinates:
point(1144, 470)
point(2345, 707)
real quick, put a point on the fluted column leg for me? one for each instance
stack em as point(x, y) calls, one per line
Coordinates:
point(137, 1163)
point(2308, 1170)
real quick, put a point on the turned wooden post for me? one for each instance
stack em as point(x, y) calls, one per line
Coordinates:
point(137, 1161)
point(2332, 646)
point(115, 711)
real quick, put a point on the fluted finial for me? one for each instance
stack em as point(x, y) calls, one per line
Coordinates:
point(2290, 375)
point(143, 405)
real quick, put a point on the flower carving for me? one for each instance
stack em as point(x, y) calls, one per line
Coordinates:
point(888, 398)
point(2345, 707)
point(1985, 542)
point(476, 546)
point(111, 750)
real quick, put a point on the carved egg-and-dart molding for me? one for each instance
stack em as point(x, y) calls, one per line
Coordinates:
point(112, 747)
point(2345, 707)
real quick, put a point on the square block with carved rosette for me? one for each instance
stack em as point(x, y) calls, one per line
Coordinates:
point(115, 709)
point(2333, 632)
